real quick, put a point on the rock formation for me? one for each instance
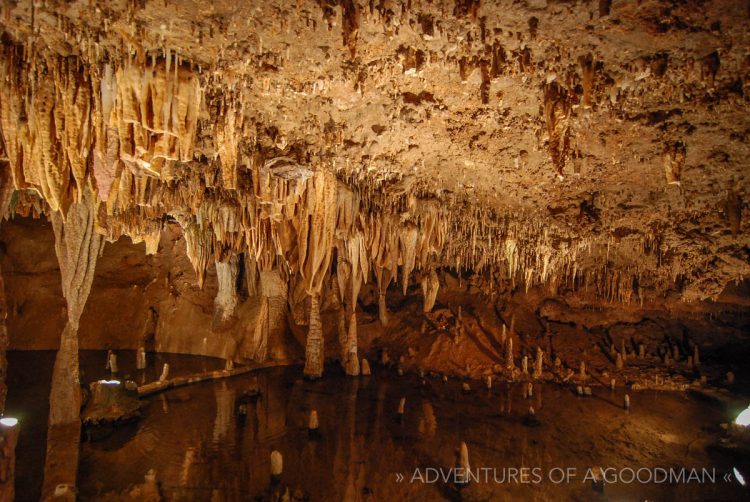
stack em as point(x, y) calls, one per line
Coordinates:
point(319, 164)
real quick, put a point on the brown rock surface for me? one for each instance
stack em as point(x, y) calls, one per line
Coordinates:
point(593, 153)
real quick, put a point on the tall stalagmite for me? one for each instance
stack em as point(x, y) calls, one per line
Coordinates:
point(226, 298)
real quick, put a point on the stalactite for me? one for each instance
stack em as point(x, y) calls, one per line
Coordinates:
point(227, 139)
point(408, 240)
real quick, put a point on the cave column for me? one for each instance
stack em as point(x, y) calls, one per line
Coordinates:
point(338, 300)
point(267, 337)
point(348, 275)
point(383, 277)
point(274, 291)
point(226, 298)
point(314, 345)
point(77, 247)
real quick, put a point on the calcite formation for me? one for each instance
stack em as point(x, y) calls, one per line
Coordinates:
point(313, 152)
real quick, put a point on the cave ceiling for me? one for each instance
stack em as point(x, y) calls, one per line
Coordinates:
point(600, 145)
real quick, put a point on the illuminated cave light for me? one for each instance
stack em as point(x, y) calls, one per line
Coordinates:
point(110, 382)
point(743, 418)
point(8, 422)
point(739, 477)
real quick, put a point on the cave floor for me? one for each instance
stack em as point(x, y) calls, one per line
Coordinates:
point(192, 439)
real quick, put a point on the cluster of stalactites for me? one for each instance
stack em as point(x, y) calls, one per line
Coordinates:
point(127, 133)
point(66, 125)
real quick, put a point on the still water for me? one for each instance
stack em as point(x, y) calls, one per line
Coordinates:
point(200, 450)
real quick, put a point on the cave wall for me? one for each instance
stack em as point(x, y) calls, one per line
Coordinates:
point(153, 300)
point(136, 299)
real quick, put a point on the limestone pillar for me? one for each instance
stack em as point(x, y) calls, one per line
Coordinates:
point(77, 247)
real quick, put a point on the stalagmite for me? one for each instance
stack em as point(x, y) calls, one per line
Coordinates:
point(365, 367)
point(539, 363)
point(351, 363)
point(525, 365)
point(466, 387)
point(463, 464)
point(382, 310)
point(312, 423)
point(277, 464)
point(164, 373)
point(430, 286)
point(582, 371)
point(225, 302)
point(385, 359)
point(509, 362)
point(113, 363)
point(618, 361)
point(225, 406)
point(626, 402)
point(730, 378)
point(314, 347)
point(488, 381)
point(338, 299)
point(140, 359)
point(612, 384)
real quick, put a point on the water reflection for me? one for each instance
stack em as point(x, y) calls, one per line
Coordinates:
point(200, 448)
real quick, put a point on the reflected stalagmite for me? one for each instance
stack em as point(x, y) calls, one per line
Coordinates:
point(141, 358)
point(164, 373)
point(365, 367)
